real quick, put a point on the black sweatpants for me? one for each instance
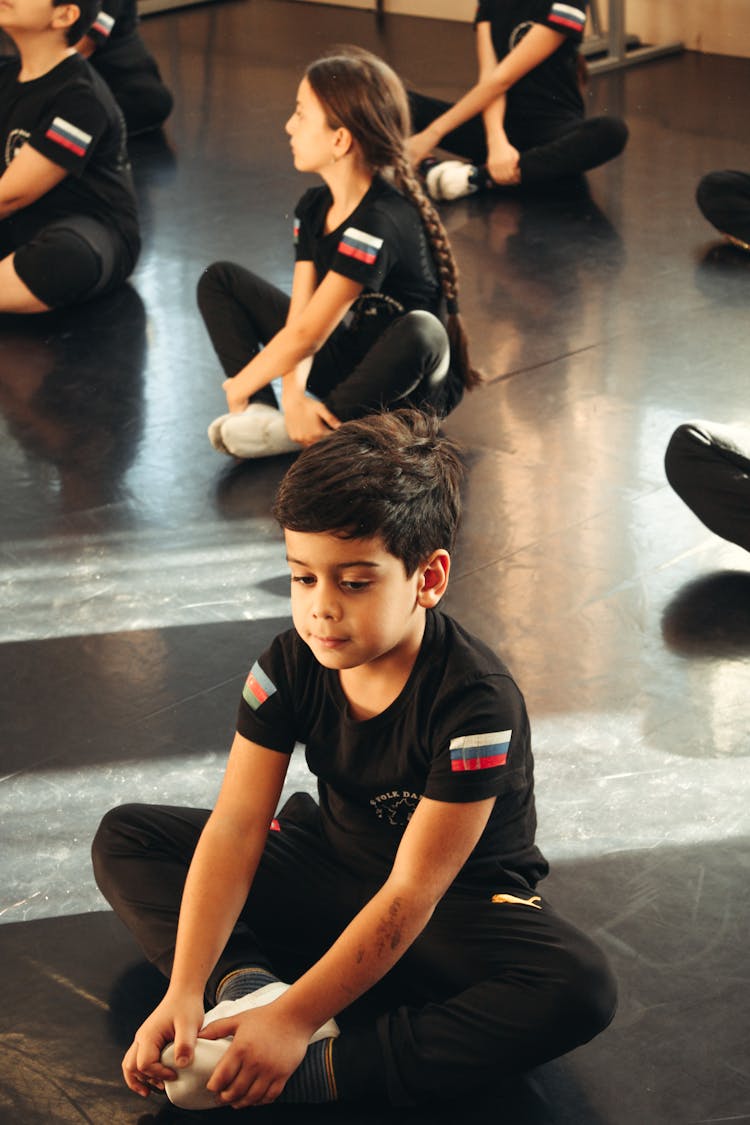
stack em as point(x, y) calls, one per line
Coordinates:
point(550, 148)
point(490, 988)
point(358, 370)
point(708, 466)
point(724, 198)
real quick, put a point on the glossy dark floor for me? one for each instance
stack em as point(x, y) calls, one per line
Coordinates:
point(141, 573)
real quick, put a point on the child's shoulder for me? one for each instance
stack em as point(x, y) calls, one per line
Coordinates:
point(462, 653)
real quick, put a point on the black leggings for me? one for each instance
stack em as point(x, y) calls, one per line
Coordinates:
point(724, 198)
point(708, 466)
point(489, 989)
point(133, 77)
point(551, 149)
point(407, 364)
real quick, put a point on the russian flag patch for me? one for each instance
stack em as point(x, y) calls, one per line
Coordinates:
point(69, 136)
point(295, 230)
point(258, 688)
point(357, 244)
point(479, 751)
point(567, 16)
point(103, 24)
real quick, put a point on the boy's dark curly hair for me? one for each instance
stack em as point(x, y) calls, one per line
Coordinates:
point(89, 10)
point(388, 475)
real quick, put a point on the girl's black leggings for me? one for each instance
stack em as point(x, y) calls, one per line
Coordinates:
point(495, 984)
point(407, 364)
point(551, 148)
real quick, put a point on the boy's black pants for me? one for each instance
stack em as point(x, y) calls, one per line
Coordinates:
point(550, 148)
point(490, 988)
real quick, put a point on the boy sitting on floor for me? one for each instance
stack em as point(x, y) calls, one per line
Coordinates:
point(403, 903)
point(68, 221)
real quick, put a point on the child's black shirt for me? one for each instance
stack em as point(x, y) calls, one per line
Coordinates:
point(69, 116)
point(550, 90)
point(457, 732)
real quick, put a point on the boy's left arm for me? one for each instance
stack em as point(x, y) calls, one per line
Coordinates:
point(29, 177)
point(436, 844)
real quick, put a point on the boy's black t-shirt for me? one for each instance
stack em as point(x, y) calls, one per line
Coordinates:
point(550, 90)
point(457, 732)
point(382, 244)
point(69, 116)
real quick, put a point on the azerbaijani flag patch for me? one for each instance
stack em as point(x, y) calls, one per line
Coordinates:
point(258, 688)
point(479, 751)
point(567, 16)
point(69, 136)
point(357, 244)
point(103, 24)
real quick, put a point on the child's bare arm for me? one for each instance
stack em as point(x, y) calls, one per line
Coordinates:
point(438, 841)
point(29, 177)
point(537, 45)
point(217, 885)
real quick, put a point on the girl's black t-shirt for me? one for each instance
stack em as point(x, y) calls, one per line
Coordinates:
point(550, 90)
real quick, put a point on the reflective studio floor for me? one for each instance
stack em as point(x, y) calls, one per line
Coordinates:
point(141, 573)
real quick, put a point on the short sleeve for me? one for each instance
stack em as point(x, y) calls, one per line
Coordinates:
point(266, 714)
point(104, 24)
point(568, 18)
point(483, 12)
point(303, 226)
point(482, 745)
point(69, 133)
point(366, 251)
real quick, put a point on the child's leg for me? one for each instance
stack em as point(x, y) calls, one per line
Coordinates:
point(241, 312)
point(133, 77)
point(70, 260)
point(724, 199)
point(490, 989)
point(578, 147)
point(708, 466)
point(408, 365)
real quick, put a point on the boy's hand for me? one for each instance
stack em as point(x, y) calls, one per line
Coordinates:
point(176, 1020)
point(307, 420)
point(503, 164)
point(266, 1049)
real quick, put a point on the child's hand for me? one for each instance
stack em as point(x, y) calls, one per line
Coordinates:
point(503, 164)
point(176, 1020)
point(307, 420)
point(266, 1049)
point(236, 400)
point(418, 147)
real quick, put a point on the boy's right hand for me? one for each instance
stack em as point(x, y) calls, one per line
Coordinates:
point(176, 1020)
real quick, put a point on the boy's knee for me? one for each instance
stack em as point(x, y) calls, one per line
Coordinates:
point(689, 440)
point(216, 278)
point(115, 828)
point(428, 337)
point(613, 135)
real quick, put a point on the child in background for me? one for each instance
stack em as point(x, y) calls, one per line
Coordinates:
point(68, 221)
point(524, 122)
point(114, 47)
point(403, 904)
point(373, 318)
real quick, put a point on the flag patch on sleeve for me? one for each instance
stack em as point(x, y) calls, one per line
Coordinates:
point(103, 24)
point(258, 688)
point(295, 230)
point(479, 751)
point(565, 15)
point(357, 244)
point(69, 136)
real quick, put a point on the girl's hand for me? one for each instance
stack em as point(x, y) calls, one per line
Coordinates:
point(503, 164)
point(419, 146)
point(266, 1049)
point(176, 1020)
point(307, 420)
point(236, 400)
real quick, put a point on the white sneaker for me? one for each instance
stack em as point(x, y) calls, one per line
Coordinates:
point(188, 1090)
point(259, 431)
point(450, 180)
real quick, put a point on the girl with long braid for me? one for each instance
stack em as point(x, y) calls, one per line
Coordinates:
point(373, 321)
